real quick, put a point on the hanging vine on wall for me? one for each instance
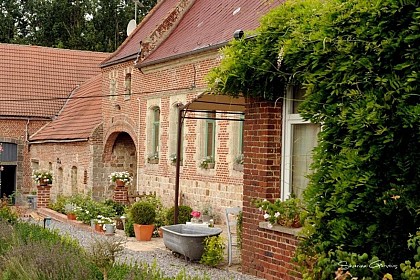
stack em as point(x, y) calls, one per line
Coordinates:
point(358, 61)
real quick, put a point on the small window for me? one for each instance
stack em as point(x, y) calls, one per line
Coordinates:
point(112, 87)
point(210, 135)
point(241, 137)
point(127, 86)
point(155, 131)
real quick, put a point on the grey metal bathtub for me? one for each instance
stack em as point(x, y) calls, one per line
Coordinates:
point(187, 240)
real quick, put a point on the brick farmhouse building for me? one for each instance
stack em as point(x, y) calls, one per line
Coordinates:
point(123, 115)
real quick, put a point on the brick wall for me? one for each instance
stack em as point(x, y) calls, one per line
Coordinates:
point(266, 253)
point(76, 166)
point(15, 131)
point(164, 85)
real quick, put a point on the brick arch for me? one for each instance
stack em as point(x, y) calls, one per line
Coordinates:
point(121, 124)
point(120, 151)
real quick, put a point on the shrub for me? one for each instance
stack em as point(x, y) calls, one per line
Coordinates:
point(358, 62)
point(103, 253)
point(143, 213)
point(214, 249)
point(119, 208)
point(184, 214)
point(412, 271)
point(239, 228)
point(129, 227)
point(6, 236)
point(59, 204)
point(7, 215)
point(43, 260)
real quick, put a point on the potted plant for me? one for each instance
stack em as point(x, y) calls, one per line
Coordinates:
point(207, 213)
point(121, 178)
point(143, 214)
point(207, 162)
point(172, 159)
point(153, 158)
point(42, 177)
point(288, 213)
point(195, 217)
point(70, 210)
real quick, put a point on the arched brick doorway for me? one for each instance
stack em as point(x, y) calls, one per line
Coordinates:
point(120, 155)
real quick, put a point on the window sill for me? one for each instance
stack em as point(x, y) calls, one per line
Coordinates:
point(281, 229)
point(238, 167)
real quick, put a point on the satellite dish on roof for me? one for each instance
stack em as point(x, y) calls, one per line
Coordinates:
point(131, 26)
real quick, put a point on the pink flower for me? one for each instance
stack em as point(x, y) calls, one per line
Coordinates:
point(195, 214)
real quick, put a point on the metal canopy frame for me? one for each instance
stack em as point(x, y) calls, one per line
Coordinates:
point(204, 103)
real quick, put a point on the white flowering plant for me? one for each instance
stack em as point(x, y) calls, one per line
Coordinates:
point(104, 220)
point(172, 158)
point(122, 176)
point(42, 176)
point(239, 159)
point(288, 213)
point(206, 161)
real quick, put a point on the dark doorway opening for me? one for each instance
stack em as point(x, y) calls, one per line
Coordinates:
point(8, 180)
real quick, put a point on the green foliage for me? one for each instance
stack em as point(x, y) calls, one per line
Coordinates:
point(73, 24)
point(184, 214)
point(86, 208)
point(143, 271)
point(59, 204)
point(412, 271)
point(239, 229)
point(28, 251)
point(358, 61)
point(119, 208)
point(288, 213)
point(6, 214)
point(129, 227)
point(143, 213)
point(103, 253)
point(214, 249)
point(6, 236)
point(160, 219)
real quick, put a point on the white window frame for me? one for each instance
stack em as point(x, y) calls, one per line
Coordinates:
point(289, 119)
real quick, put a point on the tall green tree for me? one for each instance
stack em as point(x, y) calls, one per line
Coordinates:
point(97, 25)
point(9, 13)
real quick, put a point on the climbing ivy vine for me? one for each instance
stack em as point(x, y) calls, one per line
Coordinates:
point(359, 62)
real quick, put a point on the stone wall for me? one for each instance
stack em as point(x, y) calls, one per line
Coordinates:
point(15, 131)
point(71, 164)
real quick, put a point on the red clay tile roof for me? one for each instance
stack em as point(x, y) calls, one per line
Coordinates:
point(211, 22)
point(79, 117)
point(131, 45)
point(35, 81)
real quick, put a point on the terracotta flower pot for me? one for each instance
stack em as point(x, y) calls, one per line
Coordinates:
point(99, 228)
point(71, 216)
point(143, 232)
point(119, 183)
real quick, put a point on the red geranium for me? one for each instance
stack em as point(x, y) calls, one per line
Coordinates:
point(195, 214)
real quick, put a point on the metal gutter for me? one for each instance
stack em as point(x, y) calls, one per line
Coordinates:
point(120, 60)
point(5, 117)
point(169, 58)
point(59, 141)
